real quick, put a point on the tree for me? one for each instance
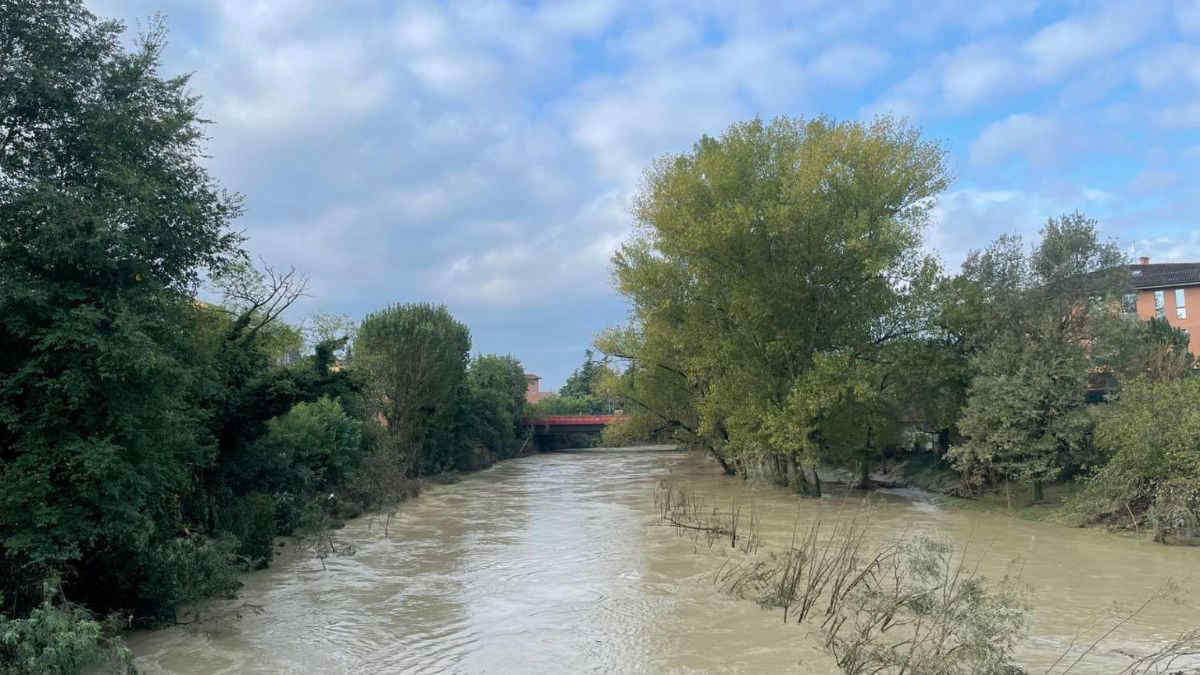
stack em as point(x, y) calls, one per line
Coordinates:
point(333, 329)
point(1025, 419)
point(495, 406)
point(1033, 330)
point(107, 217)
point(413, 360)
point(653, 391)
point(763, 249)
point(584, 381)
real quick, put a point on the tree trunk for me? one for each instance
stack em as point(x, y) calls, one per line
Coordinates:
point(864, 474)
point(816, 483)
point(1038, 493)
point(796, 477)
point(725, 465)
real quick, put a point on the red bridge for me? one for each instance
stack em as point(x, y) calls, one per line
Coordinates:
point(573, 424)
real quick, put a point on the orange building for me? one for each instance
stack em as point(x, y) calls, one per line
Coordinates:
point(533, 392)
point(1168, 291)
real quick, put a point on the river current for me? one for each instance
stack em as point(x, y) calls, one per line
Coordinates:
point(555, 563)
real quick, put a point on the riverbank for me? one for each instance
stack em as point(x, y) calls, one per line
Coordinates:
point(554, 562)
point(946, 490)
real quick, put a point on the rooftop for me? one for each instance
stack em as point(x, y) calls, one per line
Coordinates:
point(1159, 275)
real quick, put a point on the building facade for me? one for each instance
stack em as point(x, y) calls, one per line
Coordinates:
point(1168, 291)
point(533, 392)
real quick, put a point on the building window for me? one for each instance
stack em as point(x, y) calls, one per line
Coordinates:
point(1180, 310)
point(1160, 304)
point(1129, 303)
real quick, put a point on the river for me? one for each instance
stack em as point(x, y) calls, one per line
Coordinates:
point(554, 563)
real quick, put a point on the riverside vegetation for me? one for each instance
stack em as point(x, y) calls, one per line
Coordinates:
point(912, 603)
point(153, 445)
point(786, 316)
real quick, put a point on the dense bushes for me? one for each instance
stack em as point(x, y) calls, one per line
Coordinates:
point(1151, 439)
point(58, 637)
point(151, 445)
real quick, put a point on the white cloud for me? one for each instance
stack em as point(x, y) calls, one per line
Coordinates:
point(1172, 248)
point(1172, 66)
point(970, 77)
point(1187, 15)
point(969, 219)
point(1153, 180)
point(483, 152)
point(1038, 139)
point(1071, 42)
point(849, 64)
point(1181, 116)
point(578, 17)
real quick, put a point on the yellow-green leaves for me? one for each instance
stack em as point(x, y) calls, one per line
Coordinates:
point(761, 252)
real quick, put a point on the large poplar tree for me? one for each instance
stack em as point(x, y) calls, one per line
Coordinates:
point(765, 250)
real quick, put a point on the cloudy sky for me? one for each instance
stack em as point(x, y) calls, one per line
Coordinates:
point(483, 154)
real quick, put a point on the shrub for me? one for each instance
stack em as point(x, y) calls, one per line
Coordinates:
point(59, 638)
point(184, 570)
point(311, 447)
point(1151, 436)
point(251, 519)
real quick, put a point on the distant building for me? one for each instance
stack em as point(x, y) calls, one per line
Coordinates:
point(533, 390)
point(1168, 291)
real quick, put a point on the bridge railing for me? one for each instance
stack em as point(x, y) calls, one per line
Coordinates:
point(576, 420)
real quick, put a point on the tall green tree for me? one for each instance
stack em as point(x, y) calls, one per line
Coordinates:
point(760, 251)
point(495, 406)
point(1033, 328)
point(413, 360)
point(107, 216)
point(585, 379)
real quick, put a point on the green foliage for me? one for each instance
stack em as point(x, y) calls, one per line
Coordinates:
point(107, 215)
point(586, 378)
point(60, 638)
point(652, 389)
point(1151, 438)
point(1032, 330)
point(251, 520)
point(1025, 418)
point(130, 414)
point(761, 250)
point(413, 360)
point(495, 406)
point(182, 570)
point(582, 394)
point(959, 623)
point(1153, 349)
point(311, 448)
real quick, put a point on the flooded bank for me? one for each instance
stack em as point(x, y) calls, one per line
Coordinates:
point(555, 563)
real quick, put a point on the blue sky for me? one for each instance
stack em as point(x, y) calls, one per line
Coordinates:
point(483, 154)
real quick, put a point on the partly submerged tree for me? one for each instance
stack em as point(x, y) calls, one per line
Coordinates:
point(761, 250)
point(1150, 438)
point(1033, 329)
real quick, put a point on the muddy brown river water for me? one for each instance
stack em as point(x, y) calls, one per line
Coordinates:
point(554, 563)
